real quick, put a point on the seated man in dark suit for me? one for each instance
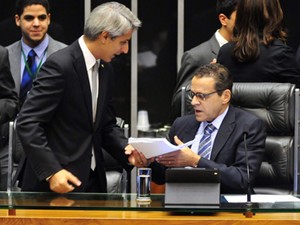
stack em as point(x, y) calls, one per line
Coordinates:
point(222, 126)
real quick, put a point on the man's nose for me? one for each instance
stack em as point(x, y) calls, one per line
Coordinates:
point(36, 22)
point(125, 48)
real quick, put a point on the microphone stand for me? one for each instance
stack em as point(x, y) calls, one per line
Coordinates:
point(249, 205)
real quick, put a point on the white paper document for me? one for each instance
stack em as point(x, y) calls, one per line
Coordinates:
point(261, 198)
point(152, 147)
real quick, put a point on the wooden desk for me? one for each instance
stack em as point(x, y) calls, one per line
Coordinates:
point(73, 217)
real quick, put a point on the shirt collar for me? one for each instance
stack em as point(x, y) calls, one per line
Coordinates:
point(39, 49)
point(89, 59)
point(221, 40)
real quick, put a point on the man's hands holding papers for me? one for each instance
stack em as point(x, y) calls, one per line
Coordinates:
point(164, 152)
point(181, 158)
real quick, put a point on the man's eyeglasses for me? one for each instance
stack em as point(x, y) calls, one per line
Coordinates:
point(201, 96)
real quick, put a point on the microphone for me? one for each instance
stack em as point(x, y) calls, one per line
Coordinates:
point(248, 213)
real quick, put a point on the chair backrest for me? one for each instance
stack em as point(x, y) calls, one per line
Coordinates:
point(116, 176)
point(11, 145)
point(275, 103)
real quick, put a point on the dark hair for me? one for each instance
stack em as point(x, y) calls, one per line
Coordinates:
point(226, 7)
point(257, 22)
point(221, 75)
point(21, 4)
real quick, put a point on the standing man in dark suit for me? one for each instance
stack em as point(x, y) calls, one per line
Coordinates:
point(69, 113)
point(204, 53)
point(8, 111)
point(211, 93)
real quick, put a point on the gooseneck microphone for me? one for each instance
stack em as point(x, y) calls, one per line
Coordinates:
point(249, 203)
point(245, 134)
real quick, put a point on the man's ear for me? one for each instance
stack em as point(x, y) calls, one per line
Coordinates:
point(223, 19)
point(49, 18)
point(103, 36)
point(17, 20)
point(226, 96)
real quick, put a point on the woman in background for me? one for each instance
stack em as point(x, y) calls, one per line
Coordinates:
point(258, 51)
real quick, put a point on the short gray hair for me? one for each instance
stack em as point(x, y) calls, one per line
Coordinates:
point(112, 17)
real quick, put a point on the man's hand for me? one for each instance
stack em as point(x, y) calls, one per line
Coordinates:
point(181, 158)
point(63, 182)
point(214, 60)
point(136, 158)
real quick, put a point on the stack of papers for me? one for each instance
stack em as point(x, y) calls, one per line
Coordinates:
point(152, 147)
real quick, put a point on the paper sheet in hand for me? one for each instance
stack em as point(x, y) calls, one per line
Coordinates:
point(152, 147)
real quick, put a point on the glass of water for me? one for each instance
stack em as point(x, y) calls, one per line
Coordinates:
point(143, 181)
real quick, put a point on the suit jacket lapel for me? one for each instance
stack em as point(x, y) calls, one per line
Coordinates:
point(194, 126)
point(225, 131)
point(15, 64)
point(188, 132)
point(81, 71)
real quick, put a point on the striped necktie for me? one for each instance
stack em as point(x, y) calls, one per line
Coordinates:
point(205, 144)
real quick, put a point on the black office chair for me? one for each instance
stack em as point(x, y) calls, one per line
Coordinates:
point(117, 177)
point(278, 105)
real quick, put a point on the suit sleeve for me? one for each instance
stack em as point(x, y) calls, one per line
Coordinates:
point(37, 111)
point(286, 67)
point(158, 170)
point(8, 94)
point(112, 136)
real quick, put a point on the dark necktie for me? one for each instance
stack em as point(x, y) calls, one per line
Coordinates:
point(205, 145)
point(94, 88)
point(94, 91)
point(28, 75)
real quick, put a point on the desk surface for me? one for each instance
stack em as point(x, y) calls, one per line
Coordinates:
point(127, 202)
point(122, 209)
